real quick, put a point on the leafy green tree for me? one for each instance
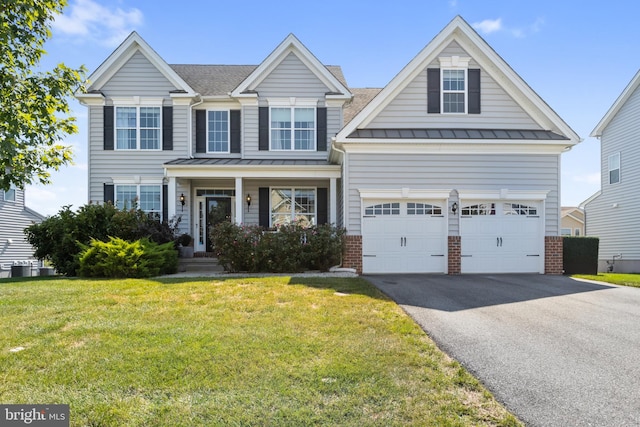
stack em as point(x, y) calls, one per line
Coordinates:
point(34, 108)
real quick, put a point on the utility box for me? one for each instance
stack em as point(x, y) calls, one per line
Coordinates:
point(20, 270)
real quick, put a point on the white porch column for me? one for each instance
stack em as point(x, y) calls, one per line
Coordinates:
point(171, 195)
point(239, 200)
point(333, 201)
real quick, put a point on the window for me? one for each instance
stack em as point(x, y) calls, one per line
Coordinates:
point(218, 131)
point(145, 197)
point(138, 128)
point(565, 232)
point(383, 209)
point(293, 205)
point(479, 209)
point(453, 91)
point(614, 168)
point(519, 209)
point(10, 194)
point(577, 233)
point(423, 209)
point(293, 129)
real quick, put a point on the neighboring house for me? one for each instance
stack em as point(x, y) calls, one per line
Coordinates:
point(572, 221)
point(611, 212)
point(453, 167)
point(14, 218)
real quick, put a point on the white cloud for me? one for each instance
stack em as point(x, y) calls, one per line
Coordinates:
point(89, 20)
point(488, 26)
point(453, 3)
point(592, 178)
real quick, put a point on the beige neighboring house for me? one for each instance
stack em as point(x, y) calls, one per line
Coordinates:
point(572, 221)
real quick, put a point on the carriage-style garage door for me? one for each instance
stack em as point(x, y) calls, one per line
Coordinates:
point(404, 237)
point(501, 237)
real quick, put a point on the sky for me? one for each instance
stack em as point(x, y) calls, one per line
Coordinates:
point(578, 56)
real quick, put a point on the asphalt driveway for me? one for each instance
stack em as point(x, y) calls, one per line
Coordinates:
point(554, 350)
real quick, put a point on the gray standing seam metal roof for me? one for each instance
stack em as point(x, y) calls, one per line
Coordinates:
point(246, 162)
point(543, 135)
point(216, 80)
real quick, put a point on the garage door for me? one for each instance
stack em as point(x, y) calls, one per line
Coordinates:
point(404, 237)
point(501, 237)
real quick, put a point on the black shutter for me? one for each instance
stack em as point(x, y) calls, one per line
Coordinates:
point(263, 128)
point(263, 207)
point(234, 119)
point(108, 127)
point(165, 203)
point(323, 206)
point(108, 193)
point(201, 131)
point(321, 128)
point(474, 91)
point(433, 90)
point(167, 128)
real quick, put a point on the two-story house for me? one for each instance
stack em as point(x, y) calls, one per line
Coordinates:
point(14, 218)
point(453, 167)
point(609, 212)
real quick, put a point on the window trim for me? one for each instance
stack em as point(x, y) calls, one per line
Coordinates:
point(12, 189)
point(228, 111)
point(130, 183)
point(292, 105)
point(457, 63)
point(609, 169)
point(137, 101)
point(293, 194)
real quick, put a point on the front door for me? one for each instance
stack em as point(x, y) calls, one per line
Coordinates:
point(218, 210)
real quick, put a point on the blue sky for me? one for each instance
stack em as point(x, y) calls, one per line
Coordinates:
point(578, 56)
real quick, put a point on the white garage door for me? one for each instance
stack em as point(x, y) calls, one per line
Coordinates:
point(404, 237)
point(501, 237)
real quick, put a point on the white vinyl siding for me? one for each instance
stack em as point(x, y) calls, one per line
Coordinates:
point(138, 77)
point(469, 172)
point(292, 78)
point(15, 218)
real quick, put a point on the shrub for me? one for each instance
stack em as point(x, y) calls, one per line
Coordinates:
point(119, 258)
point(58, 238)
point(289, 249)
point(580, 255)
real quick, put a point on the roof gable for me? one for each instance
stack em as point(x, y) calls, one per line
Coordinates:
point(123, 53)
point(291, 45)
point(460, 32)
point(617, 105)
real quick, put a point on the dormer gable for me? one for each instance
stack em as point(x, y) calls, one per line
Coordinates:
point(291, 50)
point(633, 85)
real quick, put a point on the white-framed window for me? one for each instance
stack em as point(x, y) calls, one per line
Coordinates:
point(519, 209)
point(392, 208)
point(478, 209)
point(577, 232)
point(10, 194)
point(454, 91)
point(614, 168)
point(138, 127)
point(293, 205)
point(146, 197)
point(218, 131)
point(565, 231)
point(423, 209)
point(293, 128)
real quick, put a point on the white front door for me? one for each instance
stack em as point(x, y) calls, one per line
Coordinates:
point(501, 237)
point(404, 237)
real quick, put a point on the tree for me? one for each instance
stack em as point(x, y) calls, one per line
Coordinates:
point(34, 109)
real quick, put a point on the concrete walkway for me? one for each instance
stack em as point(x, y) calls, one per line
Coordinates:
point(555, 351)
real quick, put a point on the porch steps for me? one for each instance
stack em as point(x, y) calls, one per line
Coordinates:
point(199, 265)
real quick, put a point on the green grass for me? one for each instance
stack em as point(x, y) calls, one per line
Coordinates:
point(615, 278)
point(204, 352)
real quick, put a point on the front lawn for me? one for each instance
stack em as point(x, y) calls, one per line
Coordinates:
point(615, 278)
point(261, 351)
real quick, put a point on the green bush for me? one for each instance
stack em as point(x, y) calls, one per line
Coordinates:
point(580, 255)
point(290, 249)
point(119, 258)
point(58, 238)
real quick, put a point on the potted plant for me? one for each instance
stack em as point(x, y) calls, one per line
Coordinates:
point(185, 249)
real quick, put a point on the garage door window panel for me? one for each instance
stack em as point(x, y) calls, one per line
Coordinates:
point(519, 209)
point(479, 209)
point(423, 209)
point(383, 209)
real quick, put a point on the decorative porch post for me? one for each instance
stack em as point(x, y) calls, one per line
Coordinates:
point(239, 201)
point(171, 195)
point(333, 201)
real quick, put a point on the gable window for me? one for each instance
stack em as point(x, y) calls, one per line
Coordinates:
point(454, 91)
point(10, 194)
point(144, 197)
point(218, 131)
point(293, 129)
point(138, 128)
point(614, 168)
point(293, 205)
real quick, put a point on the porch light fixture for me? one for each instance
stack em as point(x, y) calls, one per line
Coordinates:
point(454, 207)
point(182, 201)
point(248, 201)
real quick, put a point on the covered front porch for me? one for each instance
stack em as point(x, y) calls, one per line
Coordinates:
point(202, 192)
